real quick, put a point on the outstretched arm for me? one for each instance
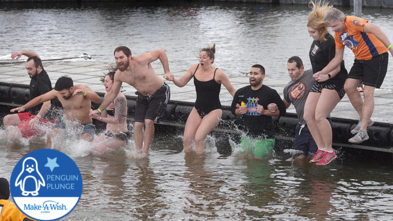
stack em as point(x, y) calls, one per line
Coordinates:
point(18, 54)
point(375, 30)
point(153, 56)
point(181, 82)
point(36, 101)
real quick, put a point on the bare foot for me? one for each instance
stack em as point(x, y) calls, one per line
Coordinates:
point(188, 150)
point(140, 155)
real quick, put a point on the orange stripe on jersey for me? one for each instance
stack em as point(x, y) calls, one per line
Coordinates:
point(364, 45)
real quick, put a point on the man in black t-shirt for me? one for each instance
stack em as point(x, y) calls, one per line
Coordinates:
point(252, 102)
point(32, 123)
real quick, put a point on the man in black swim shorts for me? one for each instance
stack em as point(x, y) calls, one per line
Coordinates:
point(153, 93)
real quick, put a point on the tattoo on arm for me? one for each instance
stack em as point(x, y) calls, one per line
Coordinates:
point(120, 104)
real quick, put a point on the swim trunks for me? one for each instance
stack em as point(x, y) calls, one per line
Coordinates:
point(152, 107)
point(86, 129)
point(36, 131)
point(304, 140)
point(258, 147)
point(372, 71)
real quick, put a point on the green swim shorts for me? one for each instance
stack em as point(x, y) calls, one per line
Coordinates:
point(258, 147)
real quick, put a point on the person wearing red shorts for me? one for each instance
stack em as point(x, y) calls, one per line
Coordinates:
point(76, 102)
point(31, 124)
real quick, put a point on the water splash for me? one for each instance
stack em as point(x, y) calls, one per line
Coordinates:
point(69, 140)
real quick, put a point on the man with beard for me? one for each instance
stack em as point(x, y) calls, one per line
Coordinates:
point(76, 101)
point(252, 102)
point(30, 123)
point(153, 93)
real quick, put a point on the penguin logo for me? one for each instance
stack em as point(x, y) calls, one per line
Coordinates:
point(30, 179)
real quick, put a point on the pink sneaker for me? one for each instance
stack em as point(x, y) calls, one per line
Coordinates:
point(327, 158)
point(317, 156)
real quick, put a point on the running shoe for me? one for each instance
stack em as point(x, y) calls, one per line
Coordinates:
point(357, 128)
point(327, 158)
point(360, 137)
point(317, 156)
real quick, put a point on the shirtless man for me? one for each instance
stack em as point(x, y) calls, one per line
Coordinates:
point(153, 93)
point(76, 101)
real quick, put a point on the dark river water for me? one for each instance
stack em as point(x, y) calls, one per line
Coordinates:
point(166, 186)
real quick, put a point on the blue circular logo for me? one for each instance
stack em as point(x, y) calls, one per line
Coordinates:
point(46, 184)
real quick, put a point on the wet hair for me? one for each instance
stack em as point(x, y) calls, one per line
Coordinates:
point(124, 49)
point(316, 18)
point(299, 62)
point(64, 83)
point(111, 74)
point(37, 61)
point(333, 14)
point(210, 51)
point(260, 67)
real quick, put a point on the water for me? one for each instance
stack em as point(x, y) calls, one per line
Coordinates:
point(166, 186)
point(245, 34)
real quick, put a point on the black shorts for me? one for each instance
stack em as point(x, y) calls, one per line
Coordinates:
point(123, 136)
point(372, 71)
point(152, 107)
point(338, 86)
point(304, 140)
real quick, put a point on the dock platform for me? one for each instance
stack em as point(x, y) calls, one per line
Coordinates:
point(15, 81)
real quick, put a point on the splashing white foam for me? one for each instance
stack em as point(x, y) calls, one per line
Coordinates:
point(292, 151)
point(69, 141)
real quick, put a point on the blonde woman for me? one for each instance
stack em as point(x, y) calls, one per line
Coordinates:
point(328, 88)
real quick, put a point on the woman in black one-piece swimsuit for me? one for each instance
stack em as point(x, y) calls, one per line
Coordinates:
point(207, 112)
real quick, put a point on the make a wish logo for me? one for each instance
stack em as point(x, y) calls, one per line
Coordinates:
point(46, 184)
